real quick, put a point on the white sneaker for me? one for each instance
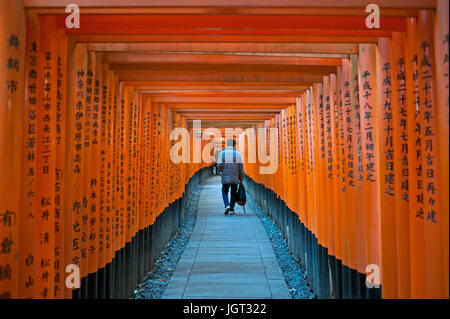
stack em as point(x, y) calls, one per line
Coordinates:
point(227, 209)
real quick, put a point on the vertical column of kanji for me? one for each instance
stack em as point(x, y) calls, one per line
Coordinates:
point(46, 161)
point(283, 183)
point(266, 148)
point(317, 218)
point(281, 161)
point(76, 68)
point(357, 167)
point(370, 151)
point(304, 108)
point(133, 153)
point(129, 176)
point(328, 100)
point(12, 66)
point(402, 173)
point(136, 152)
point(128, 171)
point(277, 175)
point(95, 179)
point(112, 194)
point(320, 160)
point(173, 167)
point(288, 177)
point(121, 162)
point(334, 165)
point(117, 183)
point(301, 167)
point(348, 171)
point(414, 130)
point(168, 162)
point(293, 160)
point(143, 160)
point(149, 146)
point(104, 179)
point(146, 145)
point(441, 39)
point(163, 153)
point(61, 155)
point(274, 141)
point(387, 172)
point(341, 162)
point(87, 173)
point(270, 177)
point(430, 160)
point(310, 163)
point(159, 169)
point(153, 167)
point(341, 170)
point(27, 217)
point(110, 191)
point(114, 109)
point(157, 157)
point(149, 161)
point(136, 262)
point(143, 164)
point(137, 155)
point(118, 192)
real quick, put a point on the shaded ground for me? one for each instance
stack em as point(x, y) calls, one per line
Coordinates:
point(217, 256)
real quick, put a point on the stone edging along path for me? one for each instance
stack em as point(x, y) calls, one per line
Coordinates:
point(293, 274)
point(156, 282)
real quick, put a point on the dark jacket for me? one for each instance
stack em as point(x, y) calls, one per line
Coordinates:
point(230, 163)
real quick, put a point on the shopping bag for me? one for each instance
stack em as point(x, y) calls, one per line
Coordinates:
point(241, 195)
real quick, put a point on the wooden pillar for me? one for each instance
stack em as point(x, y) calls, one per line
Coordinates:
point(370, 151)
point(401, 165)
point(416, 221)
point(27, 222)
point(386, 169)
point(432, 211)
point(12, 57)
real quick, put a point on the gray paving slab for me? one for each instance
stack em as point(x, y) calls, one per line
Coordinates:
point(227, 256)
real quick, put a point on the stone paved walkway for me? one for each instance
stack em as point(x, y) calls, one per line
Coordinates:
point(227, 256)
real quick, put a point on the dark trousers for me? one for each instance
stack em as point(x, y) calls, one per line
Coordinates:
point(225, 188)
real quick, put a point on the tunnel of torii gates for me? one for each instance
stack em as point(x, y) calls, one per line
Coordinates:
point(86, 115)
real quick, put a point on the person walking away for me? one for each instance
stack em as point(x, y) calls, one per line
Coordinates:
point(231, 166)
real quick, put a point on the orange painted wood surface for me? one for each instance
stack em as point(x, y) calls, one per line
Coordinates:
point(86, 117)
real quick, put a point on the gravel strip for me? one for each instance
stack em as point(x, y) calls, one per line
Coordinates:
point(293, 274)
point(155, 284)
